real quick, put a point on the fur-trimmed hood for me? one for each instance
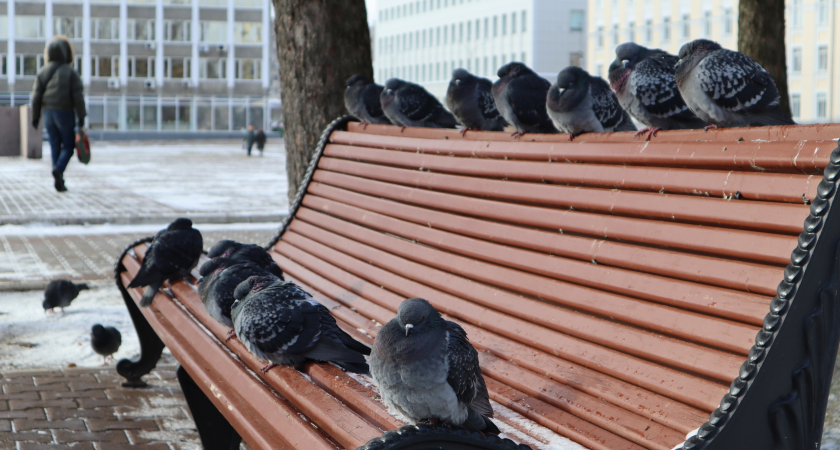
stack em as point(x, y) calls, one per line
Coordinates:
point(59, 49)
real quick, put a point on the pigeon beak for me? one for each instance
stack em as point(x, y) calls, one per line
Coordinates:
point(408, 328)
point(626, 63)
point(562, 90)
point(199, 280)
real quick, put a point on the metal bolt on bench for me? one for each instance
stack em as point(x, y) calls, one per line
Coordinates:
point(680, 293)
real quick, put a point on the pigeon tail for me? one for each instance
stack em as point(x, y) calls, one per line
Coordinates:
point(82, 286)
point(150, 292)
point(477, 422)
point(360, 368)
point(771, 116)
point(143, 278)
point(329, 350)
point(351, 343)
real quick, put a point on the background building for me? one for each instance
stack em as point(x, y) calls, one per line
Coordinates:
point(423, 41)
point(813, 46)
point(153, 65)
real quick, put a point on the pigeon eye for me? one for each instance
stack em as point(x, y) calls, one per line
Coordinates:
point(457, 82)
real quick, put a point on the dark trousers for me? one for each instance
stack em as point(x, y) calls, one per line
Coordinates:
point(61, 128)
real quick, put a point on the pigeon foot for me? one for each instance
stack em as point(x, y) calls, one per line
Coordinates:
point(267, 367)
point(651, 132)
point(403, 128)
point(572, 137)
point(364, 125)
point(710, 127)
point(517, 134)
point(231, 335)
point(464, 131)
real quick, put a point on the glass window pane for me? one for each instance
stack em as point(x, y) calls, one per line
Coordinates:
point(112, 115)
point(184, 116)
point(177, 68)
point(221, 117)
point(29, 27)
point(96, 116)
point(104, 66)
point(150, 117)
point(239, 118)
point(203, 117)
point(247, 32)
point(132, 116)
point(30, 65)
point(167, 114)
point(214, 31)
point(256, 116)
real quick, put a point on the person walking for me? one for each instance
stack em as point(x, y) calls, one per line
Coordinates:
point(249, 139)
point(58, 94)
point(259, 139)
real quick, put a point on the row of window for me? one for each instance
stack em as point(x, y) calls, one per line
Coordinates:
point(212, 3)
point(823, 12)
point(441, 71)
point(101, 29)
point(821, 103)
point(144, 67)
point(666, 27)
point(415, 7)
point(796, 59)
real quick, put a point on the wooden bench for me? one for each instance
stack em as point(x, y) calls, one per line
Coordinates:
point(621, 293)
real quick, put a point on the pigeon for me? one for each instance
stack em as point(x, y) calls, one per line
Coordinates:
point(172, 254)
point(727, 88)
point(60, 293)
point(580, 103)
point(361, 98)
point(105, 341)
point(471, 101)
point(220, 277)
point(643, 81)
point(281, 323)
point(426, 368)
point(409, 105)
point(227, 248)
point(520, 95)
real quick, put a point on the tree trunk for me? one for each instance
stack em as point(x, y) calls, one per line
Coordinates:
point(761, 36)
point(320, 44)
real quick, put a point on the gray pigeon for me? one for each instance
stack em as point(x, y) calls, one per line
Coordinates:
point(580, 103)
point(219, 278)
point(280, 322)
point(227, 248)
point(727, 88)
point(426, 368)
point(643, 81)
point(409, 105)
point(471, 101)
point(172, 254)
point(520, 95)
point(361, 98)
point(60, 293)
point(105, 341)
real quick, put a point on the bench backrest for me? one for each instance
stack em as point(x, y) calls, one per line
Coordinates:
point(614, 287)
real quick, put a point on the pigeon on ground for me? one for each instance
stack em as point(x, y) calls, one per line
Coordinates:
point(281, 323)
point(227, 248)
point(580, 103)
point(105, 341)
point(220, 277)
point(172, 254)
point(727, 88)
point(520, 96)
point(60, 293)
point(409, 105)
point(470, 99)
point(643, 81)
point(426, 368)
point(361, 98)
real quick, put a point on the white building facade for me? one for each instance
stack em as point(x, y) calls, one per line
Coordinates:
point(423, 41)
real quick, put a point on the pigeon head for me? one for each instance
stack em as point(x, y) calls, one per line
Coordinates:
point(390, 90)
point(225, 246)
point(359, 80)
point(216, 265)
point(46, 305)
point(691, 54)
point(570, 89)
point(255, 283)
point(97, 330)
point(416, 316)
point(627, 55)
point(180, 224)
point(82, 287)
point(460, 77)
point(513, 70)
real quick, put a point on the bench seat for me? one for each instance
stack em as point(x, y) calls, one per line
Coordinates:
point(614, 288)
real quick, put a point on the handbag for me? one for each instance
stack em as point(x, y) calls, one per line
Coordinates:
point(83, 147)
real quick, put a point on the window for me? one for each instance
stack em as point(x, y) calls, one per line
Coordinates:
point(576, 20)
point(824, 12)
point(821, 105)
point(28, 65)
point(177, 30)
point(213, 31)
point(727, 22)
point(796, 12)
point(575, 59)
point(795, 102)
point(600, 38)
point(631, 31)
point(495, 66)
point(796, 60)
point(599, 69)
point(212, 68)
point(615, 35)
point(461, 32)
point(105, 66)
point(707, 24)
point(437, 39)
point(513, 23)
point(29, 27)
point(486, 27)
point(648, 30)
point(140, 67)
point(68, 26)
point(3, 62)
point(486, 67)
point(822, 58)
point(666, 29)
point(495, 26)
point(105, 29)
point(176, 67)
point(523, 21)
point(247, 69)
point(504, 24)
point(4, 33)
point(686, 26)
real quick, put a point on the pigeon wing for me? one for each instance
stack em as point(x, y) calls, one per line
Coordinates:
point(464, 372)
point(735, 82)
point(486, 103)
point(177, 250)
point(656, 88)
point(417, 104)
point(527, 96)
point(370, 97)
point(604, 103)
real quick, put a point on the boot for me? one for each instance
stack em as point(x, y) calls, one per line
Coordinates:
point(59, 181)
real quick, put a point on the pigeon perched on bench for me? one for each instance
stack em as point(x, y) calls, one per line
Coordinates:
point(580, 103)
point(361, 98)
point(219, 279)
point(409, 105)
point(520, 96)
point(426, 368)
point(105, 341)
point(60, 293)
point(727, 88)
point(227, 248)
point(172, 254)
point(643, 81)
point(470, 99)
point(281, 323)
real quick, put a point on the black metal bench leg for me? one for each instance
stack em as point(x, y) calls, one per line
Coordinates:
point(215, 431)
point(151, 346)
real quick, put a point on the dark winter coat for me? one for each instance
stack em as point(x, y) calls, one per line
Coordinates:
point(260, 139)
point(64, 90)
point(249, 138)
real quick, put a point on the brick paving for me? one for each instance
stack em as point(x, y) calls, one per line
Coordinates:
point(88, 409)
